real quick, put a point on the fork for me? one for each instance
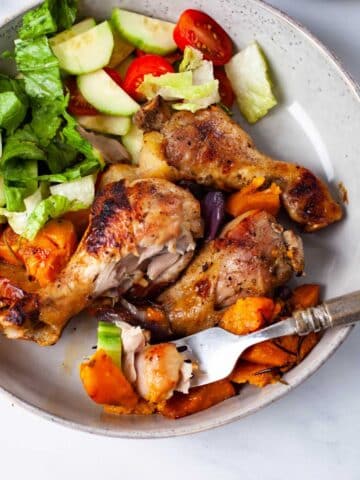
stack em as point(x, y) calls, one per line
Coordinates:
point(216, 351)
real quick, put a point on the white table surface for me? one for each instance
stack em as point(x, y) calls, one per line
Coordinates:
point(313, 433)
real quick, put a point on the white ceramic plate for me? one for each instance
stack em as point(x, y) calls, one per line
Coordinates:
point(317, 125)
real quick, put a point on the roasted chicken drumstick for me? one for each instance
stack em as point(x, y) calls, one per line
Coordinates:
point(212, 149)
point(139, 232)
point(252, 256)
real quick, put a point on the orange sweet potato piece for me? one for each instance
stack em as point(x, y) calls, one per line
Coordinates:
point(105, 383)
point(267, 200)
point(141, 408)
point(307, 344)
point(247, 315)
point(269, 354)
point(258, 375)
point(46, 255)
point(198, 398)
point(9, 246)
point(305, 296)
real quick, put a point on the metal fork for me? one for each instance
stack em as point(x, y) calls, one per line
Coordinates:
point(216, 351)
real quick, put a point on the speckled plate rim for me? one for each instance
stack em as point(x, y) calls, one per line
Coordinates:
point(232, 416)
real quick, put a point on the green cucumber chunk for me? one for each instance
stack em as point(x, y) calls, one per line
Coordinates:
point(80, 27)
point(87, 51)
point(105, 95)
point(149, 34)
point(109, 339)
point(105, 124)
point(248, 72)
point(133, 141)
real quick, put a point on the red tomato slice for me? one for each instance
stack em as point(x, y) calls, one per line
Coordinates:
point(200, 31)
point(225, 90)
point(147, 64)
point(114, 74)
point(78, 105)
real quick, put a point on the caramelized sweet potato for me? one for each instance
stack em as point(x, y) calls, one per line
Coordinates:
point(247, 315)
point(250, 199)
point(305, 296)
point(199, 398)
point(141, 408)
point(105, 383)
point(258, 375)
point(46, 255)
point(269, 354)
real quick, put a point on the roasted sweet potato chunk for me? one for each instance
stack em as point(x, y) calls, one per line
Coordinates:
point(46, 255)
point(105, 383)
point(258, 375)
point(141, 408)
point(305, 296)
point(250, 198)
point(247, 315)
point(199, 398)
point(269, 354)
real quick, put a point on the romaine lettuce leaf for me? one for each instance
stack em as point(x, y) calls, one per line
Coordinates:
point(12, 111)
point(195, 85)
point(20, 179)
point(18, 220)
point(82, 190)
point(50, 16)
point(40, 69)
point(52, 207)
point(22, 144)
point(192, 59)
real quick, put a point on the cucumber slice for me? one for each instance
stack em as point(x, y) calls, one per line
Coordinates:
point(80, 27)
point(133, 141)
point(87, 51)
point(104, 94)
point(122, 49)
point(149, 34)
point(109, 339)
point(105, 124)
point(123, 67)
point(249, 75)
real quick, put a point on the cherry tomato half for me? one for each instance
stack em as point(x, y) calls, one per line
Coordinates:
point(225, 90)
point(78, 105)
point(114, 74)
point(198, 30)
point(147, 64)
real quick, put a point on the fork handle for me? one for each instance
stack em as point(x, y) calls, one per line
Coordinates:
point(340, 311)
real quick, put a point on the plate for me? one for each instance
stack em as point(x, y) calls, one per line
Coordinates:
point(317, 125)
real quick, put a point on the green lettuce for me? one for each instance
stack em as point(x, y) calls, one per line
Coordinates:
point(20, 181)
point(12, 111)
point(196, 88)
point(18, 220)
point(49, 17)
point(52, 207)
point(40, 69)
point(192, 59)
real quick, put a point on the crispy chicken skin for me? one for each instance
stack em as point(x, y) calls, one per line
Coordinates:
point(133, 227)
point(212, 149)
point(252, 256)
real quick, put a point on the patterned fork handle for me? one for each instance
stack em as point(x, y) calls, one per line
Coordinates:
point(340, 311)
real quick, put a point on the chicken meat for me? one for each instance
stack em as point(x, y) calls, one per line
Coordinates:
point(213, 150)
point(252, 256)
point(139, 232)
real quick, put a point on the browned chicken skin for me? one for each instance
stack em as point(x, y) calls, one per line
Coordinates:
point(252, 256)
point(138, 232)
point(213, 150)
